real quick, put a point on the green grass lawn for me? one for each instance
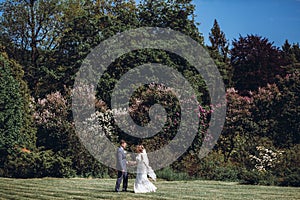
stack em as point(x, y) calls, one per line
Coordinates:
point(50, 188)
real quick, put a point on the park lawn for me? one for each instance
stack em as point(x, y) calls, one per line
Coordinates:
point(77, 188)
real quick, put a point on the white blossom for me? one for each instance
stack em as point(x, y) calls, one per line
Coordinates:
point(266, 158)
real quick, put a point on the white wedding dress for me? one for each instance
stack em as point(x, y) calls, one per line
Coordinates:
point(142, 183)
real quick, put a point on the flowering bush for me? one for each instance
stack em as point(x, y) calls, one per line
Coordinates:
point(53, 123)
point(276, 109)
point(238, 127)
point(56, 132)
point(266, 159)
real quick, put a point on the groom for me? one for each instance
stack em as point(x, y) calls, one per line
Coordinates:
point(121, 167)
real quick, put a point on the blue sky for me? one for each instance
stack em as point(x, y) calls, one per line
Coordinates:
point(276, 20)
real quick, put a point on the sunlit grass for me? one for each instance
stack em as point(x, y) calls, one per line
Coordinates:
point(50, 188)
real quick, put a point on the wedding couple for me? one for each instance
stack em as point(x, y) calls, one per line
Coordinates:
point(142, 184)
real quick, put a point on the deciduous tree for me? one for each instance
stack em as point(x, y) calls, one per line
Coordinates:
point(255, 61)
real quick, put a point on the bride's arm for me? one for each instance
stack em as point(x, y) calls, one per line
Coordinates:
point(150, 171)
point(137, 159)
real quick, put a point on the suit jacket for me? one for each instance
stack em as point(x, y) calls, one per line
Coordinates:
point(121, 159)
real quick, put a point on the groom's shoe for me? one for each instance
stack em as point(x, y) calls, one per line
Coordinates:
point(124, 190)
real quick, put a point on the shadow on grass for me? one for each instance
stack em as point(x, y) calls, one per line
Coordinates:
point(114, 192)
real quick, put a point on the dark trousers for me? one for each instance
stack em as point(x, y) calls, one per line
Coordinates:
point(124, 176)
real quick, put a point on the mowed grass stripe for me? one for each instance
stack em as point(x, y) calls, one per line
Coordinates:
point(59, 187)
point(50, 188)
point(224, 190)
point(29, 193)
point(42, 191)
point(6, 196)
point(56, 191)
point(83, 194)
point(16, 194)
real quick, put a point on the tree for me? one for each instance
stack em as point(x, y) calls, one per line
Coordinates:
point(288, 53)
point(10, 107)
point(219, 50)
point(255, 61)
point(16, 127)
point(291, 56)
point(175, 14)
point(52, 38)
point(238, 128)
point(296, 51)
point(276, 111)
point(33, 27)
point(56, 133)
point(219, 43)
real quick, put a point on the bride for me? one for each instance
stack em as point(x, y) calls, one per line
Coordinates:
point(142, 183)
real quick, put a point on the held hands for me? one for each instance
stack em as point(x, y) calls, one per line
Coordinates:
point(131, 163)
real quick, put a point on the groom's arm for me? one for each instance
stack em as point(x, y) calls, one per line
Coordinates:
point(120, 160)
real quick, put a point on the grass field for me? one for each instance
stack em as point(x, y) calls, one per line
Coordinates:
point(50, 188)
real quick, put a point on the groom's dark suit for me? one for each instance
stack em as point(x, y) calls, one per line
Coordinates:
point(122, 170)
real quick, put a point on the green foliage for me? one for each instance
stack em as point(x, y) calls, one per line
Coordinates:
point(33, 28)
point(51, 117)
point(288, 53)
point(38, 164)
point(288, 128)
point(50, 39)
point(28, 129)
point(276, 111)
point(16, 128)
point(213, 167)
point(56, 132)
point(219, 51)
point(250, 177)
point(288, 171)
point(177, 15)
point(291, 179)
point(170, 175)
point(218, 41)
point(10, 109)
point(238, 131)
point(291, 53)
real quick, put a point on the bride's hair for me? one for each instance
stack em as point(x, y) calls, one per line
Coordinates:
point(140, 148)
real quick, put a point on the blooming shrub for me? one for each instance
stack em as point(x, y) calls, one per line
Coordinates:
point(56, 132)
point(238, 131)
point(53, 123)
point(266, 159)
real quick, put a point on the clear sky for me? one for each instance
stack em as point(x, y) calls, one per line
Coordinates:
point(276, 20)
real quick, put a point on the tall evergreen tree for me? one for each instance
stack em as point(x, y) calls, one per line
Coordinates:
point(219, 43)
point(296, 51)
point(219, 50)
point(16, 122)
point(288, 54)
point(10, 109)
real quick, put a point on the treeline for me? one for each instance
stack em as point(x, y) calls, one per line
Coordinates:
point(43, 44)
